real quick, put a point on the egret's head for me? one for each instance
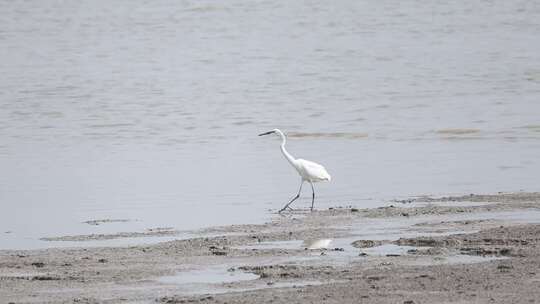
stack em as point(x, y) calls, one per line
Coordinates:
point(275, 131)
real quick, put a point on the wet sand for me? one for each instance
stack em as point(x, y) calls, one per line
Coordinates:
point(469, 249)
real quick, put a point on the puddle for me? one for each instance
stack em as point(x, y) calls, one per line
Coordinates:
point(218, 279)
point(290, 245)
point(448, 204)
point(297, 284)
point(295, 244)
point(333, 251)
point(387, 249)
point(211, 275)
point(321, 251)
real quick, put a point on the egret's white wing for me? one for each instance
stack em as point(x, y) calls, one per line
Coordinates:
point(313, 171)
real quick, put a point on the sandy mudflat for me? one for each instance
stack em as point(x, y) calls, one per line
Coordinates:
point(470, 249)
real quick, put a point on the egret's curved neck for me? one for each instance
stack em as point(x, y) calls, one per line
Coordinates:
point(288, 156)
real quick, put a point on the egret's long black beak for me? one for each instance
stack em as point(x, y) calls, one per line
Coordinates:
point(266, 133)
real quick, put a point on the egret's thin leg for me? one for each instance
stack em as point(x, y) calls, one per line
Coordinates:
point(296, 197)
point(313, 197)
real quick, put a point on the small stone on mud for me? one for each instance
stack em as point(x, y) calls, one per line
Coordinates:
point(38, 264)
point(102, 260)
point(504, 268)
point(206, 298)
point(365, 243)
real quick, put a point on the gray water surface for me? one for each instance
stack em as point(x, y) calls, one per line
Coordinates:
point(149, 110)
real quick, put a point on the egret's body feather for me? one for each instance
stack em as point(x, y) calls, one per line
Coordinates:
point(312, 172)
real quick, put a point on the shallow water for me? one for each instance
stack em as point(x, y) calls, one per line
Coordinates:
point(209, 275)
point(217, 279)
point(150, 110)
point(387, 249)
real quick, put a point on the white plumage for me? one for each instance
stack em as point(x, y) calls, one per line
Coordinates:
point(309, 171)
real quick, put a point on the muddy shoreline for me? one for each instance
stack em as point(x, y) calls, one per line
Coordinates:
point(473, 248)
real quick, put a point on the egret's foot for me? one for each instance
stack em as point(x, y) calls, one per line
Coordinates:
point(285, 208)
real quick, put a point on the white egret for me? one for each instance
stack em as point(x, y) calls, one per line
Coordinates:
point(309, 171)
